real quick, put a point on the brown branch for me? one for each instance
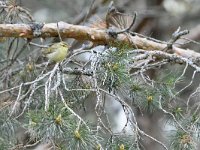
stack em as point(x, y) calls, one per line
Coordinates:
point(97, 36)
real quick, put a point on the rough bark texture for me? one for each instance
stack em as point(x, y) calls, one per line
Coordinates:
point(90, 34)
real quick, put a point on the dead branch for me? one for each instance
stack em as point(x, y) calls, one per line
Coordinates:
point(97, 36)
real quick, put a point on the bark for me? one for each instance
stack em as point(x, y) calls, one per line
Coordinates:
point(97, 36)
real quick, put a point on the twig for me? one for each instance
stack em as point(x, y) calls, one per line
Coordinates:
point(99, 37)
point(78, 71)
point(175, 36)
point(76, 115)
point(169, 113)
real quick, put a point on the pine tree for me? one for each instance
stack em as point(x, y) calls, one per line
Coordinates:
point(75, 104)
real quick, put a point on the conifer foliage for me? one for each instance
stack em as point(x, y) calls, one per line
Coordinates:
point(74, 104)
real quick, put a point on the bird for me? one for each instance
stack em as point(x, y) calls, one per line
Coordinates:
point(57, 52)
point(116, 19)
point(116, 22)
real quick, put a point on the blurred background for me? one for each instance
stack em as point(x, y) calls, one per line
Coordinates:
point(153, 15)
point(155, 18)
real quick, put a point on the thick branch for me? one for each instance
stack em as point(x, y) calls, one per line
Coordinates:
point(91, 34)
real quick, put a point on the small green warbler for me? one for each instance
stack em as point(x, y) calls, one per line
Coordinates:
point(57, 52)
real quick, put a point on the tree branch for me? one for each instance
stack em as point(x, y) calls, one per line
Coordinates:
point(97, 36)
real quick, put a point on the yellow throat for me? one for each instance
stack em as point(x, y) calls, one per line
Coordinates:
point(56, 52)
